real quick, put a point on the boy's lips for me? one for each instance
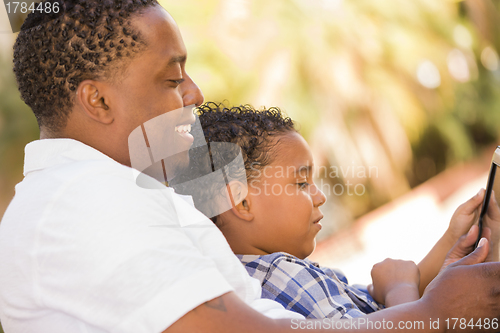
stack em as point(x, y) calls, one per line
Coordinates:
point(318, 219)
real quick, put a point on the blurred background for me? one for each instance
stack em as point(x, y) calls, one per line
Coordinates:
point(399, 100)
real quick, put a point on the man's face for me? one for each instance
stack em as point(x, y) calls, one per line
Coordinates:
point(155, 81)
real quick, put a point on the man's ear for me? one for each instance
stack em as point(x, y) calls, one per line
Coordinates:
point(240, 200)
point(92, 100)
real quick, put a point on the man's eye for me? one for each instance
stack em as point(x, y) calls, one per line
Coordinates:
point(303, 185)
point(177, 82)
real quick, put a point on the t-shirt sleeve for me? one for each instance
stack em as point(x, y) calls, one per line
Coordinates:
point(122, 262)
point(308, 291)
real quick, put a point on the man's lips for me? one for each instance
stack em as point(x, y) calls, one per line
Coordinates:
point(183, 128)
point(187, 117)
point(184, 124)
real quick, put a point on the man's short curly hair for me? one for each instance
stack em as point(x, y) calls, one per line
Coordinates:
point(252, 131)
point(86, 39)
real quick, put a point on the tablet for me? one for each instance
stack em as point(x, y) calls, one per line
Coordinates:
point(492, 187)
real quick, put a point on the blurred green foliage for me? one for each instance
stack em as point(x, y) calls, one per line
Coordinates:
point(409, 87)
point(399, 85)
point(17, 127)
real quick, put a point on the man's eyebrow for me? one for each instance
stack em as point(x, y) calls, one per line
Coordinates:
point(171, 63)
point(304, 169)
point(176, 60)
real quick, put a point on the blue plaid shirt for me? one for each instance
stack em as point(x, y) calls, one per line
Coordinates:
point(304, 287)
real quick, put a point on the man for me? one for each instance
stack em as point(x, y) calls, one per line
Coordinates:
point(84, 249)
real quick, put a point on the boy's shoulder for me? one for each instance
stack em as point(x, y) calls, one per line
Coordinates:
point(258, 266)
point(272, 259)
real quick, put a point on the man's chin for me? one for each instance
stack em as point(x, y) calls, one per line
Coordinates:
point(176, 165)
point(167, 169)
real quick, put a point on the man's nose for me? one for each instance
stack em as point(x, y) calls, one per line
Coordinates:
point(191, 93)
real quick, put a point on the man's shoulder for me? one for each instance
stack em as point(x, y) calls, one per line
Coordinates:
point(98, 176)
point(92, 190)
point(104, 174)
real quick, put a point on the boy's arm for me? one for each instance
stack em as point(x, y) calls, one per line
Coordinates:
point(453, 294)
point(461, 221)
point(402, 293)
point(430, 266)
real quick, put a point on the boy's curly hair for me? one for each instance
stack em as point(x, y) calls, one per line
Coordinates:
point(249, 129)
point(252, 130)
point(54, 52)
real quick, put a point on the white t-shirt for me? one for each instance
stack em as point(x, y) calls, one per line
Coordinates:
point(85, 249)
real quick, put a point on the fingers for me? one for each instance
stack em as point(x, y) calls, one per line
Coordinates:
point(466, 242)
point(463, 246)
point(370, 289)
point(486, 233)
point(477, 256)
point(470, 238)
point(493, 209)
point(470, 206)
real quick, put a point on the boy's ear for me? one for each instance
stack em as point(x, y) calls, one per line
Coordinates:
point(237, 191)
point(240, 200)
point(92, 101)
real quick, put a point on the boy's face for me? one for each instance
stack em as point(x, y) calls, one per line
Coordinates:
point(285, 201)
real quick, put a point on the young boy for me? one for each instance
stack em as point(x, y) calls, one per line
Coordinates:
point(276, 216)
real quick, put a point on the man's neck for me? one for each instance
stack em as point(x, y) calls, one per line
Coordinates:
point(45, 133)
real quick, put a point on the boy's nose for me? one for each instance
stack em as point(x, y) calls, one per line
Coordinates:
point(319, 197)
point(191, 93)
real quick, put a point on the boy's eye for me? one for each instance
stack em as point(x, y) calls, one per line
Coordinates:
point(303, 185)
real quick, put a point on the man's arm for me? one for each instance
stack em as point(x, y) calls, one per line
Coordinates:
point(229, 314)
point(462, 290)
